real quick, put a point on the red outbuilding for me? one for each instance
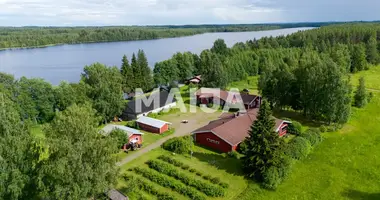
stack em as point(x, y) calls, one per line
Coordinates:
point(152, 125)
point(226, 133)
point(134, 136)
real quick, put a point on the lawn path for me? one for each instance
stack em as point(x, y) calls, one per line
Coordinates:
point(180, 130)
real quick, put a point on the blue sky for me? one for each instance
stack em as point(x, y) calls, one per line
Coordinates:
point(156, 12)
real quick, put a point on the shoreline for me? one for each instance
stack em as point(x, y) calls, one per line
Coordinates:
point(109, 41)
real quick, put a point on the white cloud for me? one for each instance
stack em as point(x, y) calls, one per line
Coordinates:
point(142, 12)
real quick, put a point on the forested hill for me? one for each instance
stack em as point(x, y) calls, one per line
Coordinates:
point(23, 37)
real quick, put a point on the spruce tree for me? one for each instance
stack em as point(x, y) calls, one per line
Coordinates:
point(371, 51)
point(360, 94)
point(262, 144)
point(359, 61)
point(126, 72)
point(135, 83)
point(145, 71)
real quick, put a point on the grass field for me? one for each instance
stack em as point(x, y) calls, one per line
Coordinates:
point(205, 161)
point(251, 84)
point(372, 78)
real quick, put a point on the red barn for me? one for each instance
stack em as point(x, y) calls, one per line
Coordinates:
point(226, 133)
point(152, 125)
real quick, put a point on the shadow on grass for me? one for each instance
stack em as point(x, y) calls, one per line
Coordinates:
point(297, 117)
point(229, 164)
point(358, 195)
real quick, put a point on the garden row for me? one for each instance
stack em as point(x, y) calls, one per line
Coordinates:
point(147, 187)
point(167, 169)
point(169, 182)
point(214, 180)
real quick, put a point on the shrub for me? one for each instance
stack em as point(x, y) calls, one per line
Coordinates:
point(132, 124)
point(119, 137)
point(192, 170)
point(181, 145)
point(233, 154)
point(271, 178)
point(215, 180)
point(295, 128)
point(208, 189)
point(242, 147)
point(323, 129)
point(276, 174)
point(206, 177)
point(168, 182)
point(199, 173)
point(313, 136)
point(223, 185)
point(298, 148)
point(185, 167)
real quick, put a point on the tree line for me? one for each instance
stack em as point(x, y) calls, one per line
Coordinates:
point(23, 37)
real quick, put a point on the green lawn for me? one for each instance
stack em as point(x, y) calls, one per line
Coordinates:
point(251, 84)
point(372, 78)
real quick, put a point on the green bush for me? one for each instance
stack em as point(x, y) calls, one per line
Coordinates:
point(215, 180)
point(242, 147)
point(180, 145)
point(272, 178)
point(323, 129)
point(206, 177)
point(223, 185)
point(192, 170)
point(168, 182)
point(276, 174)
point(313, 136)
point(185, 167)
point(132, 124)
point(119, 137)
point(295, 128)
point(298, 148)
point(206, 188)
point(233, 154)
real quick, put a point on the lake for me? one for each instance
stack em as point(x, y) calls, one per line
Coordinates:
point(66, 62)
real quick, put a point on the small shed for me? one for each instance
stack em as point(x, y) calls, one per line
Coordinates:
point(153, 125)
point(116, 195)
point(134, 135)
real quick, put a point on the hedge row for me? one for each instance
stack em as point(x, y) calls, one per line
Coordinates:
point(169, 183)
point(206, 188)
point(150, 188)
point(215, 180)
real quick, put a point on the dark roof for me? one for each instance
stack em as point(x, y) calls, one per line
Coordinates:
point(161, 96)
point(234, 130)
point(222, 94)
point(248, 98)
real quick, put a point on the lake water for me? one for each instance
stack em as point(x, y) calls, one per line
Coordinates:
point(66, 62)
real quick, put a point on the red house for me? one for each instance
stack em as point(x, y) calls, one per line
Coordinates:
point(208, 95)
point(226, 133)
point(134, 135)
point(152, 125)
